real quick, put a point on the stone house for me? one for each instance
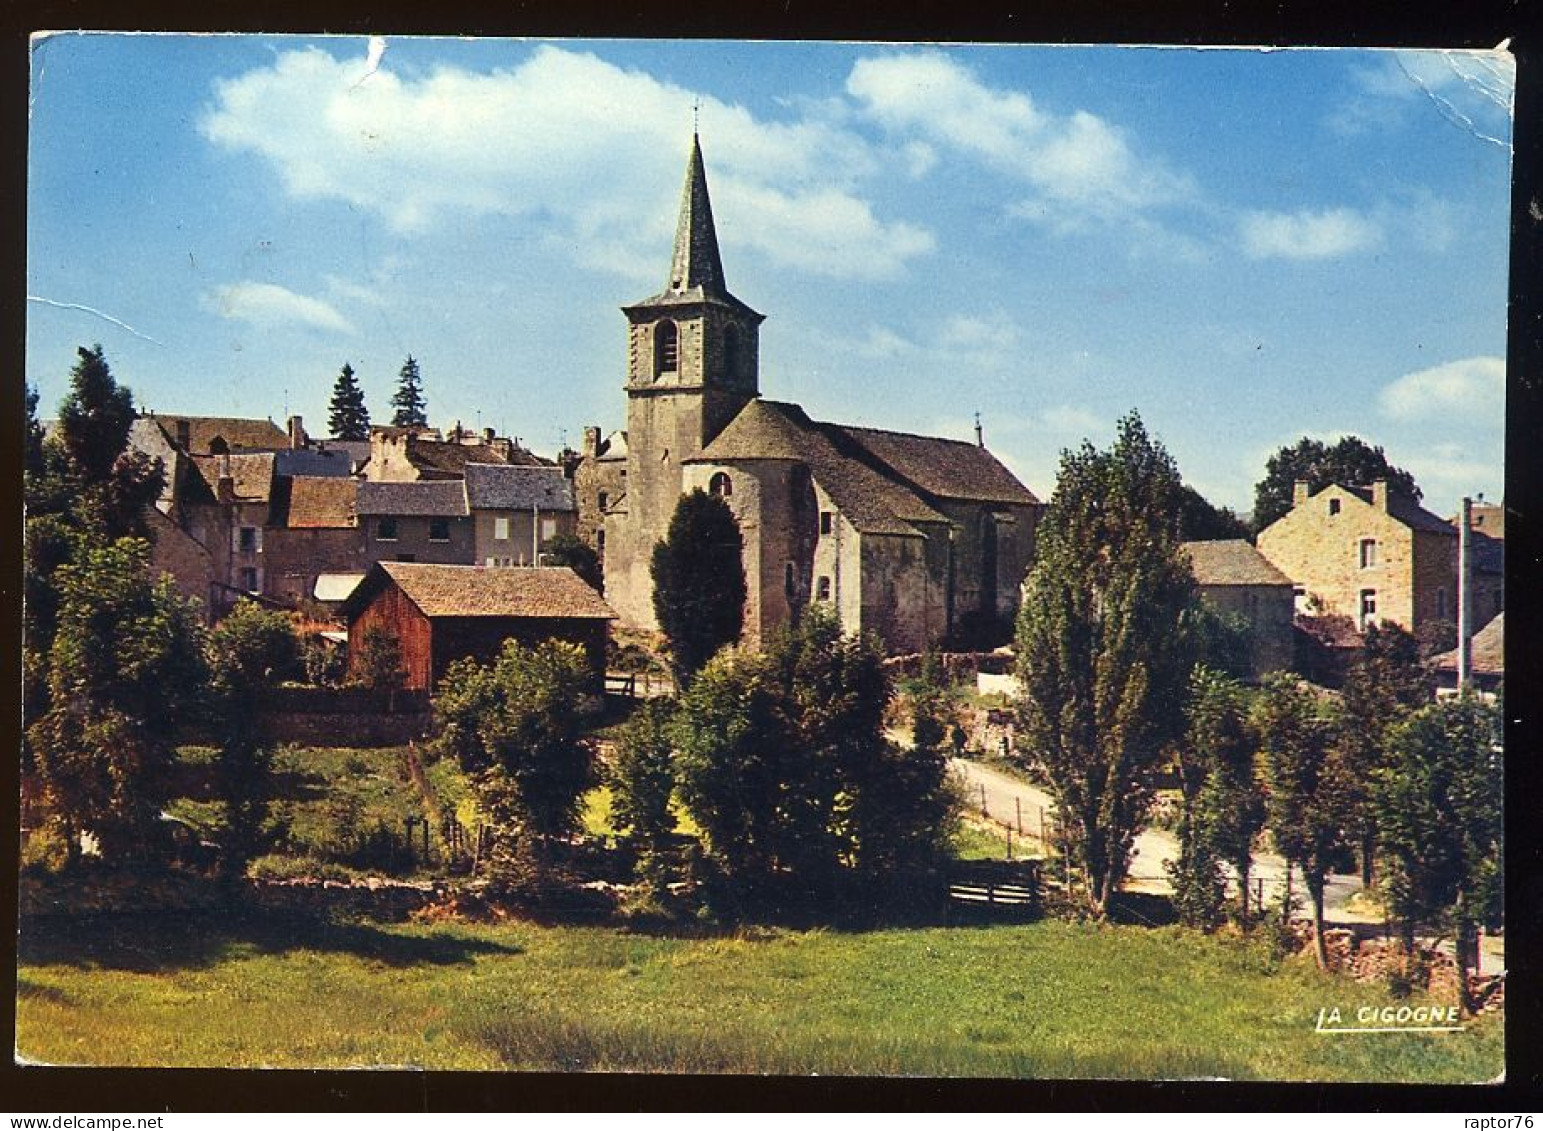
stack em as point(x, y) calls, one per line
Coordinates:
point(314, 531)
point(1236, 578)
point(517, 510)
point(1366, 553)
point(440, 614)
point(416, 522)
point(406, 455)
point(233, 526)
point(599, 476)
point(919, 539)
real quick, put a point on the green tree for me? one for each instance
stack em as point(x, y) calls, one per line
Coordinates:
point(515, 728)
point(571, 551)
point(126, 665)
point(380, 661)
point(1103, 654)
point(1439, 802)
point(347, 416)
point(250, 653)
point(1349, 461)
point(783, 763)
point(411, 408)
point(112, 485)
point(644, 776)
point(699, 583)
point(1223, 799)
point(1201, 521)
point(1385, 684)
point(1311, 794)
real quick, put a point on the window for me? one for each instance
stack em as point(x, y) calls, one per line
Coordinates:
point(1333, 506)
point(439, 530)
point(605, 499)
point(600, 541)
point(548, 528)
point(386, 530)
point(1368, 606)
point(721, 485)
point(249, 539)
point(666, 348)
point(249, 579)
point(822, 589)
point(789, 585)
point(1441, 604)
point(1368, 552)
point(827, 522)
point(501, 529)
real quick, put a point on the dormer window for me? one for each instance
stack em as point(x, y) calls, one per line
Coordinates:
point(666, 348)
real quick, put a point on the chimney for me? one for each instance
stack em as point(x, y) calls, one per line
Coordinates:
point(1299, 492)
point(592, 442)
point(225, 486)
point(1380, 494)
point(185, 435)
point(297, 436)
point(487, 435)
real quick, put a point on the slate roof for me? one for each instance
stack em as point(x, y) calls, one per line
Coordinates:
point(436, 498)
point(310, 462)
point(1232, 561)
point(446, 457)
point(871, 501)
point(472, 591)
point(497, 486)
point(251, 474)
point(358, 450)
point(1488, 650)
point(1406, 510)
point(321, 502)
point(238, 433)
point(946, 469)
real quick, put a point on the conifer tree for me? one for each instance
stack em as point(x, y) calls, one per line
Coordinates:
point(347, 416)
point(699, 582)
point(411, 409)
point(1103, 645)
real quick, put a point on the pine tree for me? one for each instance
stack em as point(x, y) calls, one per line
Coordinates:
point(1103, 646)
point(347, 417)
point(699, 582)
point(411, 409)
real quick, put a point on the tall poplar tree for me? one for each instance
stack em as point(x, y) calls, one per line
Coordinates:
point(1103, 645)
point(699, 582)
point(347, 416)
point(411, 409)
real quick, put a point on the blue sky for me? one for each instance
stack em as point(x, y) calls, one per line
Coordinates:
point(1245, 246)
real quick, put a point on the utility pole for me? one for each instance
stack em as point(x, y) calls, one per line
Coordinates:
point(1464, 597)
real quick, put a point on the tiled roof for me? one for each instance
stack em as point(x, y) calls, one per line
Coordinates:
point(872, 502)
point(238, 433)
point(251, 474)
point(945, 469)
point(497, 486)
point(321, 501)
point(450, 458)
point(1232, 562)
point(472, 591)
point(1488, 650)
point(425, 497)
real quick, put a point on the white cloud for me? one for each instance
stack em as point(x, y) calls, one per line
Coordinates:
point(1079, 167)
point(567, 136)
point(1472, 390)
point(1307, 234)
point(267, 304)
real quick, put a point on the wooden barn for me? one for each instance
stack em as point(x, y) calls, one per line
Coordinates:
point(443, 613)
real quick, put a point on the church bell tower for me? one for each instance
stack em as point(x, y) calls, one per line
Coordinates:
point(693, 358)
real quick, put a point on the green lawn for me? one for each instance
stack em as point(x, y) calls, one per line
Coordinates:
point(1046, 999)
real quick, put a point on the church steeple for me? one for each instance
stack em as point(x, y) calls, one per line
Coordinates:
point(696, 262)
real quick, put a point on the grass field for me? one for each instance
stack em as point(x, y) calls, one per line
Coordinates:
point(1048, 999)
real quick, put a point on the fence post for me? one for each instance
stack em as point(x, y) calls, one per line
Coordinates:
point(983, 811)
point(1009, 842)
point(1018, 807)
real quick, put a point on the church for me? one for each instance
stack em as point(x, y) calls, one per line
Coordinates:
point(920, 540)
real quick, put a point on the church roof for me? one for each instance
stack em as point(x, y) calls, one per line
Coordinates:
point(696, 267)
point(945, 469)
point(870, 501)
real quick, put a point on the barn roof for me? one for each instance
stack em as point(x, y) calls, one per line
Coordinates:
point(438, 498)
point(321, 502)
point(1232, 561)
point(497, 486)
point(550, 592)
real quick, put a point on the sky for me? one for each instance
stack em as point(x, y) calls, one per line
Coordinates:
point(1245, 247)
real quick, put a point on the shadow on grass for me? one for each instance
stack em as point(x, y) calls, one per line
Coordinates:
point(162, 942)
